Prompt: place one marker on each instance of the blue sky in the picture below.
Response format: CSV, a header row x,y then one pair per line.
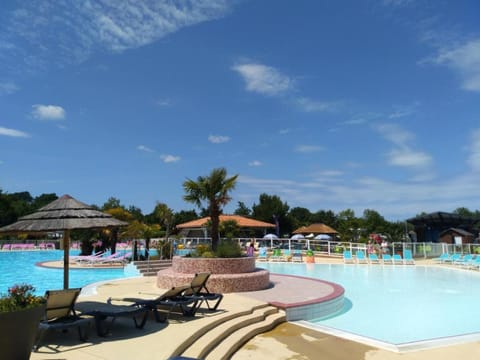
x,y
371,104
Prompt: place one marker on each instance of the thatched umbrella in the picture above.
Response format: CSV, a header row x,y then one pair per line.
x,y
63,214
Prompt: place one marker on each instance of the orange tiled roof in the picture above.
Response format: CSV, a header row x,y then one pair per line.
x,y
315,229
241,221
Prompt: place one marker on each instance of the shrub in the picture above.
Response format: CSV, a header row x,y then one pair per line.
x,y
20,297
229,249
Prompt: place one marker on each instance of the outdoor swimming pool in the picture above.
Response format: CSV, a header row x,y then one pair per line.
x,y
18,267
399,305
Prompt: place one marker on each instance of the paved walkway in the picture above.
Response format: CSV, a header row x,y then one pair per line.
x,y
288,341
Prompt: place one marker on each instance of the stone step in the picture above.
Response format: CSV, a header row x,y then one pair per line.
x,y
237,339
151,267
222,318
209,340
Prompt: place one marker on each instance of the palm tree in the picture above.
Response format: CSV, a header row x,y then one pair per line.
x,y
214,190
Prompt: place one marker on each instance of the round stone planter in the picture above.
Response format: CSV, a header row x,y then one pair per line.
x,y
227,274
190,265
17,332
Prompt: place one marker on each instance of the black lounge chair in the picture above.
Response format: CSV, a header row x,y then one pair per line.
x,y
102,312
60,315
198,289
170,300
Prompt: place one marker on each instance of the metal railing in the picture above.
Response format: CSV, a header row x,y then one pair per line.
x,y
336,248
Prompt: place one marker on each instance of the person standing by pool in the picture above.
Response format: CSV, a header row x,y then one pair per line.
x,y
250,249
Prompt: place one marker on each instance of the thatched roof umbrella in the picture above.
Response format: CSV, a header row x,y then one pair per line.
x,y
63,214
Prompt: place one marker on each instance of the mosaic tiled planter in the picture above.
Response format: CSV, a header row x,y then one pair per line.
x,y
227,274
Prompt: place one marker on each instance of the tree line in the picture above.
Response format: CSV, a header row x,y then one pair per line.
x,y
215,189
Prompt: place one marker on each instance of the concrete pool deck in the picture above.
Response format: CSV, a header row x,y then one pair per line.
x,y
287,341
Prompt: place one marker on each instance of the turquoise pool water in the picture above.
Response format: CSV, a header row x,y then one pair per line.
x,y
19,267
398,304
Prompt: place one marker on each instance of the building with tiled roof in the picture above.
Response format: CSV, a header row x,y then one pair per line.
x,y
199,227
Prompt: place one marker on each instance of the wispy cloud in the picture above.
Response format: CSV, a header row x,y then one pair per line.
x,y
309,105
165,102
474,158
7,88
265,80
167,158
308,148
218,139
13,133
255,163
145,148
284,131
402,154
48,112
90,26
465,61
397,2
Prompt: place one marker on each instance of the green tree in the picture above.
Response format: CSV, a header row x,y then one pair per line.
x,y
229,229
112,203
214,190
242,209
163,215
270,209
299,216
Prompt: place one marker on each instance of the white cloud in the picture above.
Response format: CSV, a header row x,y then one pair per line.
x,y
91,26
164,102
474,158
402,155
13,133
284,131
264,79
218,139
255,163
395,134
308,148
465,60
409,158
170,158
144,148
7,88
309,105
48,112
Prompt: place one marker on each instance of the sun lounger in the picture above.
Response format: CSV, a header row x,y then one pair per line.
x,y
102,312
277,255
397,259
198,289
373,258
474,263
441,258
60,314
408,258
360,256
262,254
387,259
169,301
452,259
347,257
297,256
463,260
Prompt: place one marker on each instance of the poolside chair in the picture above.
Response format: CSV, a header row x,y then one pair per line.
x,y
360,256
169,301
463,260
452,259
297,256
286,255
373,258
441,258
277,255
387,259
474,263
102,312
408,258
60,315
262,254
347,257
397,259
198,289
